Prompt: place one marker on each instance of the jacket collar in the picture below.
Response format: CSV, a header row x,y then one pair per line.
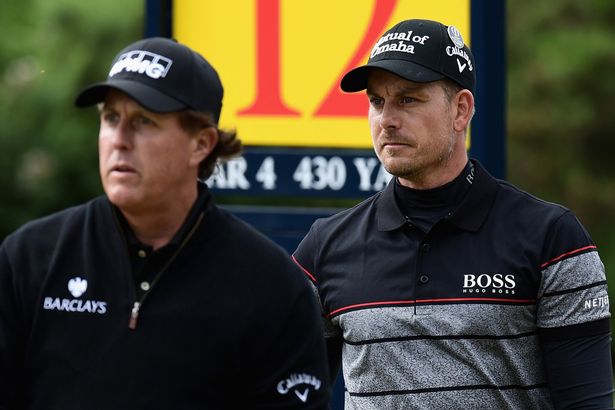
x,y
201,204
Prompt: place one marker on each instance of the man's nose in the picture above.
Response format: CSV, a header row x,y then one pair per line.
x,y
122,135
390,117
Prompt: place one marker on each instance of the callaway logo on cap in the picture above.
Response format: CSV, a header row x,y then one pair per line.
x,y
421,51
163,76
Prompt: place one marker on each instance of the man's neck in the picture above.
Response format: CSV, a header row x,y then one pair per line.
x,y
430,179
157,227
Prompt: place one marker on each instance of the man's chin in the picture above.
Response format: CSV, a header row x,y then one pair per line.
x,y
123,198
398,168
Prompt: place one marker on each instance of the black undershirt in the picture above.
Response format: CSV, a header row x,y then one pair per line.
x,y
424,207
147,262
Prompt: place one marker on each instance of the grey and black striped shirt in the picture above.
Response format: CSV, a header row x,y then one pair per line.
x,y
453,317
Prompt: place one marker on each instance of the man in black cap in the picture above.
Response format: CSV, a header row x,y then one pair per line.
x,y
451,289
152,297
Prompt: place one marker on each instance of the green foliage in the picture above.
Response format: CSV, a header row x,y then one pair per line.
x,y
49,51
561,116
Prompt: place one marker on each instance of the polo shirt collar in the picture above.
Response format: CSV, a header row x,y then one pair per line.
x,y
469,216
389,216
476,205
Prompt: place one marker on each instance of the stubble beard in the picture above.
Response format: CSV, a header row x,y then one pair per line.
x,y
418,170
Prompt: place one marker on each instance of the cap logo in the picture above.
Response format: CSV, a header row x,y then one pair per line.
x,y
455,36
399,42
454,51
143,62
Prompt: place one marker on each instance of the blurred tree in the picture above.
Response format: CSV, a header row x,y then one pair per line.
x,y
50,50
561,60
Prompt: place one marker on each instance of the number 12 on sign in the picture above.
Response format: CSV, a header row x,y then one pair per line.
x,y
268,100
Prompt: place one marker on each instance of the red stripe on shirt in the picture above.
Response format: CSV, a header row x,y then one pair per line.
x,y
441,300
304,270
564,255
412,302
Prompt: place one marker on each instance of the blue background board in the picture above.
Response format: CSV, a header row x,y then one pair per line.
x,y
488,32
301,173
287,225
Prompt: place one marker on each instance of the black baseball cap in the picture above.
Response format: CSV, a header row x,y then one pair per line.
x,y
421,51
163,76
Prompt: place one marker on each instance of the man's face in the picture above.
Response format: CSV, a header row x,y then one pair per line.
x,y
147,161
412,127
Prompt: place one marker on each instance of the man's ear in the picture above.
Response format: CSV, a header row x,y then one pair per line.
x,y
205,142
464,105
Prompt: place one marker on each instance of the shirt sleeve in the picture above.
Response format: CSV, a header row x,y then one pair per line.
x,y
11,345
579,371
305,257
290,361
573,288
573,318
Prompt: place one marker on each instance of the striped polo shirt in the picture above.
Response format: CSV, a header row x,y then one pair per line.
x,y
452,318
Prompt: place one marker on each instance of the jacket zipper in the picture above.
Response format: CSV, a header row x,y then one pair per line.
x,y
134,315
136,307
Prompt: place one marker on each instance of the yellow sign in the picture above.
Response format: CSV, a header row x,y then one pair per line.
x,y
281,61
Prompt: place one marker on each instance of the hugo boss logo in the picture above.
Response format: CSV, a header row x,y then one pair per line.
x,y
496,283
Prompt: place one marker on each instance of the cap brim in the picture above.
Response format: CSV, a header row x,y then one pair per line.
x,y
147,96
356,79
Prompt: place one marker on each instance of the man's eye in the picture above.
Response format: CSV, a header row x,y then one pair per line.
x,y
144,120
375,101
110,117
408,100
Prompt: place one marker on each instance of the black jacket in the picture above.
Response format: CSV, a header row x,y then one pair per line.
x,y
231,323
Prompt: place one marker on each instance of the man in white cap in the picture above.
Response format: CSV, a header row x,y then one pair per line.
x,y
451,289
150,296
